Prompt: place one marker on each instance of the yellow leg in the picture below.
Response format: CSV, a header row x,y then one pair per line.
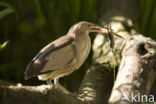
x,y
57,84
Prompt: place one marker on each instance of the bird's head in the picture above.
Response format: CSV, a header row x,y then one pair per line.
x,y
85,27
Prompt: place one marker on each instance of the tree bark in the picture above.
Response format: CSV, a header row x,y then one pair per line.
x,y
43,94
135,59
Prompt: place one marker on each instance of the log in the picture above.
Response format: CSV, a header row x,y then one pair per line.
x,y
135,65
43,94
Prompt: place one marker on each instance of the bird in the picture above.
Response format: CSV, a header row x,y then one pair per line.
x,y
64,55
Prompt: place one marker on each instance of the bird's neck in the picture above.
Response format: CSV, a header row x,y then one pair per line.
x,y
82,46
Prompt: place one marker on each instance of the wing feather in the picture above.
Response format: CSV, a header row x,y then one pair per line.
x,y
51,57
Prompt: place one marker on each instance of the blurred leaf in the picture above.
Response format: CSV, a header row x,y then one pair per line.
x,y
153,24
6,82
146,12
40,13
2,46
5,12
10,9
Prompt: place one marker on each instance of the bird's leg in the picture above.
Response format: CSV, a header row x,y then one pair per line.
x,y
49,82
56,82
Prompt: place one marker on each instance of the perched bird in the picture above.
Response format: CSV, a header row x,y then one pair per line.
x,y
64,55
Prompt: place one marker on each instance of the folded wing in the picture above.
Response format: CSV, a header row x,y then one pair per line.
x,y
55,55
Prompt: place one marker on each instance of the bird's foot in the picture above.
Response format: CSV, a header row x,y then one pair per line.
x,y
81,97
78,96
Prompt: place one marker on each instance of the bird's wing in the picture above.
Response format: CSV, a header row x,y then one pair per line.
x,y
53,56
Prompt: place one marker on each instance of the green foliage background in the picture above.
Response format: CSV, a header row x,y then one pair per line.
x,y
147,20
29,25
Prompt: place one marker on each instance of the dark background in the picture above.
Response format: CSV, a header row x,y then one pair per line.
x,y
28,25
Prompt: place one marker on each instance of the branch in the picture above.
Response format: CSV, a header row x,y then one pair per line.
x,y
137,70
135,57
135,61
35,95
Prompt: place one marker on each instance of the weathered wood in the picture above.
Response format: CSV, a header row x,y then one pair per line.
x,y
137,70
135,62
121,16
43,94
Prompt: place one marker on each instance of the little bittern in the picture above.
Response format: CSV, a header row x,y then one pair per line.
x,y
64,55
